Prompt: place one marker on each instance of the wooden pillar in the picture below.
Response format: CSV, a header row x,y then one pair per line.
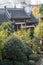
x,y
25,22
17,27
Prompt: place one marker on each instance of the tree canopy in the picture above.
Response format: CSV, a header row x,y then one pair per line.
x,y
41,8
35,12
38,31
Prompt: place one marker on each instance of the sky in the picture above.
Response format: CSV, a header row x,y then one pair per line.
x,y
11,3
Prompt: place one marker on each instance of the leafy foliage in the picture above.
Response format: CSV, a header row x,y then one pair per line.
x,y
41,12
38,31
41,8
34,57
18,63
3,36
6,29
41,48
34,11
23,35
31,62
14,49
6,62
7,26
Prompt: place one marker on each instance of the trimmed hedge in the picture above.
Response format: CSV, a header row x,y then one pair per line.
x,y
41,48
14,49
28,50
34,57
31,62
6,62
18,63
0,62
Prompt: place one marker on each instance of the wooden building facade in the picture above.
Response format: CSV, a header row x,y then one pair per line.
x,y
18,17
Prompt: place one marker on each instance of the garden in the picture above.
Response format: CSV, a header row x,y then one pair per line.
x,y
17,47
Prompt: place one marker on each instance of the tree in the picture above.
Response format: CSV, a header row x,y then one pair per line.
x,y
35,12
3,36
38,31
6,29
41,11
23,34
15,50
7,26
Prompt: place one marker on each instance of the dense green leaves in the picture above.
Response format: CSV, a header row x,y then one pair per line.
x,y
7,26
38,31
6,62
34,57
23,35
41,8
18,63
41,12
6,29
31,62
13,46
16,50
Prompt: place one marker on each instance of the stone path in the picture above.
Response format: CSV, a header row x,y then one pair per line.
x,y
42,61
39,62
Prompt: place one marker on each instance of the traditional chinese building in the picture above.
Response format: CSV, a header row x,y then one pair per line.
x,y
18,17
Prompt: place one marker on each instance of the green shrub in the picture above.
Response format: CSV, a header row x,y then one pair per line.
x,y
7,26
34,57
28,51
6,29
31,62
18,63
38,31
0,62
41,48
23,34
6,62
14,49
0,55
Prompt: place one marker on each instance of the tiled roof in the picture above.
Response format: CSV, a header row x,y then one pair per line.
x,y
15,13
18,13
3,17
34,19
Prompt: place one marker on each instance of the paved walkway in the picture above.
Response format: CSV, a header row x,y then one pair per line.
x,y
38,63
42,61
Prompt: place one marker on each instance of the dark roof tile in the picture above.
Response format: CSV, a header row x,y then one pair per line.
x,y
18,13
3,18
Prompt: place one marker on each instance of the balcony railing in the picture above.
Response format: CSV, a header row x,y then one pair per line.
x,y
19,22
29,26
